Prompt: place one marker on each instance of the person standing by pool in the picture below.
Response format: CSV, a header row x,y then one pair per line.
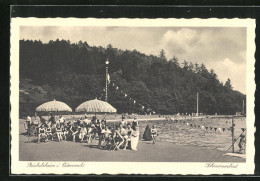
x,y
134,138
99,129
242,142
129,129
62,120
94,120
52,120
27,124
147,133
153,133
35,121
43,122
58,132
123,121
135,122
29,119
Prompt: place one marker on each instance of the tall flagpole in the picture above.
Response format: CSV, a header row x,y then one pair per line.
x,y
243,108
197,104
107,62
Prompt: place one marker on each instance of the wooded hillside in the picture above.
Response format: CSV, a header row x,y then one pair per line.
x,y
75,72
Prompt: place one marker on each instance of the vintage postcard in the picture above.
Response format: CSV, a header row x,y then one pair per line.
x,y
132,96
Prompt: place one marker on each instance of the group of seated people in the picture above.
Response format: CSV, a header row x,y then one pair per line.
x,y
112,137
124,136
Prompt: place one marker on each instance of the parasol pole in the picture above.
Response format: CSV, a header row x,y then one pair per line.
x,y
54,110
232,135
107,62
243,111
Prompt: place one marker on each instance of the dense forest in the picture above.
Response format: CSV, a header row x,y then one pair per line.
x,y
75,72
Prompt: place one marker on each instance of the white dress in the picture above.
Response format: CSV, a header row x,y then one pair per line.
x,y
134,140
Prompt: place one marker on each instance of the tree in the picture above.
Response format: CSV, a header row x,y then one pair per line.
x,y
213,74
203,67
228,84
109,47
191,66
175,61
185,65
162,55
197,68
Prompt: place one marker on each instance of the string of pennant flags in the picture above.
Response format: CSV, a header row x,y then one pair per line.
x,y
194,125
117,88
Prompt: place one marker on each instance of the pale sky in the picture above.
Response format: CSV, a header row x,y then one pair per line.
x,y
222,49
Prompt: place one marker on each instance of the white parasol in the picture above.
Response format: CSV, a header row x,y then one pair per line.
x,y
95,106
54,106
